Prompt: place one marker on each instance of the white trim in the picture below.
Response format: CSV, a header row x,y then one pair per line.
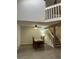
x,y
53,6
54,19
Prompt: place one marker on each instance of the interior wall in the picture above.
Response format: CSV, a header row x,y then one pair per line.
x,y
51,29
30,10
18,36
58,32
27,33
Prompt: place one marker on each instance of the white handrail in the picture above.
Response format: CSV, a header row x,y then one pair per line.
x,y
53,11
50,38
53,6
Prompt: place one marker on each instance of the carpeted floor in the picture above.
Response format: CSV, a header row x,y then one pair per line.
x,y
27,52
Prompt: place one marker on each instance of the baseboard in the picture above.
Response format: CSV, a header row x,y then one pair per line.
x,y
25,44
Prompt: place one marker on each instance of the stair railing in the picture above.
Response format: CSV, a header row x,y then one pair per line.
x,y
53,11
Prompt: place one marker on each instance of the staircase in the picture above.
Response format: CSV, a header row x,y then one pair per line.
x,y
56,42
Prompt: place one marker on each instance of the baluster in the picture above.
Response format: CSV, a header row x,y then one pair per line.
x,y
47,14
51,13
58,12
54,12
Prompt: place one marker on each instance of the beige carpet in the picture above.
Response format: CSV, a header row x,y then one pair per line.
x,y
27,52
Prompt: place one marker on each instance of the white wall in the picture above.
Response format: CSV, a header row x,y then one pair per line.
x,y
30,10
27,33
18,36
